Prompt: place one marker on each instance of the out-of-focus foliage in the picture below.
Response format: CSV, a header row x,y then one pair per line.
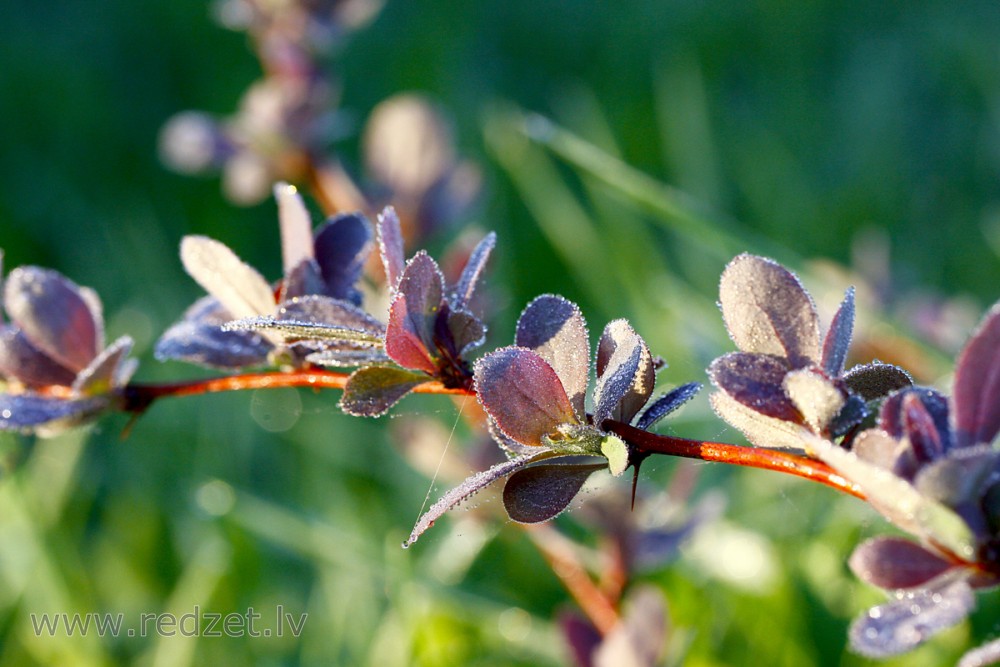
x,y
862,134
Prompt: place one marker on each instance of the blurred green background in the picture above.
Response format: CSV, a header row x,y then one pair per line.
x,y
858,142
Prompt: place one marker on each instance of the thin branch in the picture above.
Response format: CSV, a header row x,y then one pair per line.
x,y
752,457
558,551
138,397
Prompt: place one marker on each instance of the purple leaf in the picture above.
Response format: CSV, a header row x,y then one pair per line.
x,y
540,492
296,227
473,270
301,280
755,380
982,656
307,334
555,329
466,490
46,415
54,316
511,446
21,360
625,374
581,637
106,371
666,404
198,338
899,414
893,562
977,384
878,448
409,337
767,311
371,391
904,623
876,380
390,244
343,244
465,330
959,481
523,394
854,412
838,338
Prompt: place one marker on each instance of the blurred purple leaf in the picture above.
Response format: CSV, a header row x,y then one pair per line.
x,y
29,412
473,270
110,369
555,329
581,637
854,411
926,441
755,380
21,360
977,384
906,622
542,491
838,338
296,227
198,338
54,316
466,490
876,380
625,373
390,244
410,332
767,311
666,404
893,562
960,479
523,394
371,391
342,245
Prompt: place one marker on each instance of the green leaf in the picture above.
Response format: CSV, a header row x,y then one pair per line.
x,y
616,451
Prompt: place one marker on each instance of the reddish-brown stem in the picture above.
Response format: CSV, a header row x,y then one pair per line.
x,y
753,457
558,551
138,397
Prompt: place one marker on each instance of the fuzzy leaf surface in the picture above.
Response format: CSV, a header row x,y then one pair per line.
x,y
30,412
554,328
410,332
371,391
876,380
523,394
295,224
540,492
767,310
625,374
199,338
467,282
838,338
756,381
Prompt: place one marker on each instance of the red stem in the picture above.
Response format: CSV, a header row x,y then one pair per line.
x,y
752,457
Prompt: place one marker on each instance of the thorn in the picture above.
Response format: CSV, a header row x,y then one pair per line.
x,y
636,464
